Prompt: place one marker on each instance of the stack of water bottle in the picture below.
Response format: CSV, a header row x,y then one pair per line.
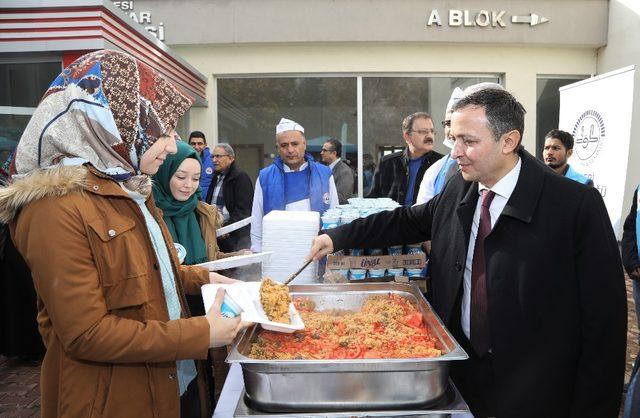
x,y
360,208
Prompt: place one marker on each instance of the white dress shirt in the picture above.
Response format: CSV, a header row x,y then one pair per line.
x,y
257,210
503,189
333,164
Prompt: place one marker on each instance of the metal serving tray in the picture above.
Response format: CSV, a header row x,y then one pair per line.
x,y
339,385
450,404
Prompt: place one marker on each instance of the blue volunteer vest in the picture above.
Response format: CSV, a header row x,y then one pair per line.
x,y
439,182
574,175
280,189
208,171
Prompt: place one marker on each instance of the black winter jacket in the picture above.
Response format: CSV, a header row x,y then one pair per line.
x,y
237,190
392,175
629,242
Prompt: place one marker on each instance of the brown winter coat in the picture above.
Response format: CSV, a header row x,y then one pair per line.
x,y
111,349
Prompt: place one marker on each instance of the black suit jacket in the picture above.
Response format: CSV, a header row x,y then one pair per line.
x,y
237,190
557,299
391,178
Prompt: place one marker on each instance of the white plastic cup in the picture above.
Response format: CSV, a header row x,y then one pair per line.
x,y
414,272
229,308
330,221
395,250
376,273
358,274
414,248
395,272
182,252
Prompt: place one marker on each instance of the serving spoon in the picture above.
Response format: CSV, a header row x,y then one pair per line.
x,y
294,275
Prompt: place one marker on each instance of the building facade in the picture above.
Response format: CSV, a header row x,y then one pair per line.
x,y
352,69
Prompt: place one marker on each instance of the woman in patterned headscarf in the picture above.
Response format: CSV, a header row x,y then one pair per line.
x,y
112,312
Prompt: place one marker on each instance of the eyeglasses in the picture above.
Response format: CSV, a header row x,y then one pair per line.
x,y
218,156
446,123
424,131
326,150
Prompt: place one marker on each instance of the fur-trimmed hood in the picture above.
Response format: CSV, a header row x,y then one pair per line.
x,y
53,182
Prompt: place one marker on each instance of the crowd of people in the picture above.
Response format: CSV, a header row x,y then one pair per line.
x,y
515,276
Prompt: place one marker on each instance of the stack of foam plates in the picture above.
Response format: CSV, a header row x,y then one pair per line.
x,y
289,235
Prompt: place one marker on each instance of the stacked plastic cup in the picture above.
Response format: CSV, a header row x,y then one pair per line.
x,y
395,250
376,273
346,213
414,249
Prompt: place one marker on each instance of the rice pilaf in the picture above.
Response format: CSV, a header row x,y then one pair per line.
x,y
387,326
275,300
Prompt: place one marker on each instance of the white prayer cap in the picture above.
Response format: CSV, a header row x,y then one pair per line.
x,y
288,125
482,86
456,95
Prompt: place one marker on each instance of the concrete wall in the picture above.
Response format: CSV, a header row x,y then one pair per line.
x,y
571,22
518,66
623,49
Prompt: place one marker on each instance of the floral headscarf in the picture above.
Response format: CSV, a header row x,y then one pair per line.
x,y
107,108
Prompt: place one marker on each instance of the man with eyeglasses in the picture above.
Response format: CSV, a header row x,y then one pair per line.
x,y
526,272
442,170
342,173
199,143
231,191
398,174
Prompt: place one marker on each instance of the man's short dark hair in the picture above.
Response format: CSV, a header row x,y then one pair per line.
x,y
336,145
563,136
197,134
407,122
504,113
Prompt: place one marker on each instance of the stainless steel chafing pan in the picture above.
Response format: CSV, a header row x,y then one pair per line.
x,y
305,385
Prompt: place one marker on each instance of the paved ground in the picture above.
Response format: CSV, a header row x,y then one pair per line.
x,y
20,394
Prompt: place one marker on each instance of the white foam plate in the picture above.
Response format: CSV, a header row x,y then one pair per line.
x,y
236,261
232,227
247,296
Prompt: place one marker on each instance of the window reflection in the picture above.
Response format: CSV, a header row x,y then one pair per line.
x,y
250,108
386,102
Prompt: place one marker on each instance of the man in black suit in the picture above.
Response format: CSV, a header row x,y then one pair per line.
x,y
526,272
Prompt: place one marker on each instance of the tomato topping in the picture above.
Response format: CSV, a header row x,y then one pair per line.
x,y
413,320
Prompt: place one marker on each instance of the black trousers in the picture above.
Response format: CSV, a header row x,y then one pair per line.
x,y
190,401
474,378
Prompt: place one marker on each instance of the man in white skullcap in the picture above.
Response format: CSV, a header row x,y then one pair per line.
x,y
442,170
293,182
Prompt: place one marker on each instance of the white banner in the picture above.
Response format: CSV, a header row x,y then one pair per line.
x,y
597,111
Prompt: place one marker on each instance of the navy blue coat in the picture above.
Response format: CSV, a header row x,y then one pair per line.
x,y
557,299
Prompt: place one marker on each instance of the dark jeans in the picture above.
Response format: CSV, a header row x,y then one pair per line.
x,y
632,400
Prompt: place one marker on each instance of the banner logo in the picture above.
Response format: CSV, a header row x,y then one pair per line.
x,y
589,136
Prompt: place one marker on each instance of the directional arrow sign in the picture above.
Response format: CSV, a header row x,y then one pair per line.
x,y
532,19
